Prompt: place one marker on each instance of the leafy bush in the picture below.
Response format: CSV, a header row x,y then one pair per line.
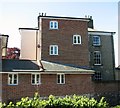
x,y
118,106
53,102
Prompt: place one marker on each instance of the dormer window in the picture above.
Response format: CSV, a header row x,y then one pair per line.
x,y
53,25
76,39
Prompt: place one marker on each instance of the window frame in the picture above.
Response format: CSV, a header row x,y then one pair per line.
x,y
54,25
78,39
13,79
94,41
60,80
35,83
97,59
98,76
53,52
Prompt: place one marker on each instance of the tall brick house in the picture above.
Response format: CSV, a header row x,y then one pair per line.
x,y
54,60
57,58
57,39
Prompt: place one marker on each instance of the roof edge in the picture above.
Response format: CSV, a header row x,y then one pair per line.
x,y
60,17
28,29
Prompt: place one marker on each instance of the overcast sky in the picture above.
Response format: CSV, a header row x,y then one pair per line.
x,y
18,14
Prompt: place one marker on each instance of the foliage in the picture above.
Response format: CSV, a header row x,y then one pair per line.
x,y
118,106
12,53
53,102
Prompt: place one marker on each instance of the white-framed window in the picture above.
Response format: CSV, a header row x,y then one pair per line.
x,y
60,78
96,40
53,50
12,79
53,25
76,39
35,79
97,58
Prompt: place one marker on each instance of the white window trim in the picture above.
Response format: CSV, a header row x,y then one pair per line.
x,y
95,43
100,58
35,79
53,25
77,39
61,78
12,78
53,49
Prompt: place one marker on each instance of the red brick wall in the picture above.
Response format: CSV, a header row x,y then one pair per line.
x,y
63,37
75,84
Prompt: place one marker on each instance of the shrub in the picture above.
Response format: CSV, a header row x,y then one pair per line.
x,y
118,106
53,102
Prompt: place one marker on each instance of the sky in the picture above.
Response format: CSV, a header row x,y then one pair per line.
x,y
19,14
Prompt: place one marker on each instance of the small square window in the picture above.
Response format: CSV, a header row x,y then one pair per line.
x,y
60,78
97,76
53,25
96,40
13,79
35,79
76,39
53,50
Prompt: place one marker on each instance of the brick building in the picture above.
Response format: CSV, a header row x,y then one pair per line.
x,y
55,59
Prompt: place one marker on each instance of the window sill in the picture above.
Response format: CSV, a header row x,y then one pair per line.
x,y
53,54
97,45
36,84
61,83
12,84
77,44
53,29
97,64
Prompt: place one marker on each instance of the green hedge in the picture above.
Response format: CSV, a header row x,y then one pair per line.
x,y
118,106
53,102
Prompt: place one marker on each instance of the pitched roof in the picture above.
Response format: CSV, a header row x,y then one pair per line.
x,y
57,67
9,65
45,67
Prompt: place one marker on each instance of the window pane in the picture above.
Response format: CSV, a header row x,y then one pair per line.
x,y
75,39
55,24
58,78
38,78
51,24
78,39
55,50
15,78
51,50
62,78
10,79
33,79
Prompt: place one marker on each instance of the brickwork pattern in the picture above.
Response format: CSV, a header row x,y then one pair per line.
x,y
69,53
